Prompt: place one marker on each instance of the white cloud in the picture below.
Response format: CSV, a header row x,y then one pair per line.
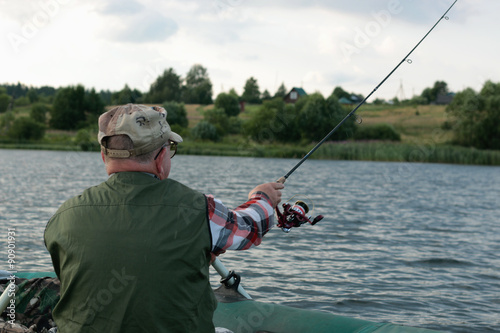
x,y
132,22
118,7
144,27
107,44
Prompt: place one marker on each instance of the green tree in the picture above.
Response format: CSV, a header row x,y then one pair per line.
x,y
337,113
286,123
198,87
176,113
312,117
33,95
74,108
6,121
318,116
22,101
204,131
106,96
25,128
251,93
39,112
219,119
94,107
167,87
266,95
384,132
431,94
125,96
274,121
85,138
68,109
235,125
476,117
339,93
94,103
419,100
233,92
16,90
281,92
4,102
229,103
46,91
257,126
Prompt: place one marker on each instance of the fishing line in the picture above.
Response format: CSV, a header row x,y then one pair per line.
x,y
406,58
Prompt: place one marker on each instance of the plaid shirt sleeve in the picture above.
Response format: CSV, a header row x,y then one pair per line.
x,y
241,228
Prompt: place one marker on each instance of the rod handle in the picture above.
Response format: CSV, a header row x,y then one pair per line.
x,y
282,180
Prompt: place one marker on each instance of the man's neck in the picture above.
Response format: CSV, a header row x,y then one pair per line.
x,y
114,166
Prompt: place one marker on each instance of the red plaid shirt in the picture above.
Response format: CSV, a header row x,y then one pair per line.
x,y
242,227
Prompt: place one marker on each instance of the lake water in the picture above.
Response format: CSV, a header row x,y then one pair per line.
x,y
412,244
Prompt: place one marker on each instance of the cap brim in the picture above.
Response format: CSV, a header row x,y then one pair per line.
x,y
175,137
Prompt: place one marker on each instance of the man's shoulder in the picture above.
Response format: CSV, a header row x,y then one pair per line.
x,y
184,193
176,185
79,199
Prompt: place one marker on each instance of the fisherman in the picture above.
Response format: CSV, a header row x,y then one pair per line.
x,y
133,253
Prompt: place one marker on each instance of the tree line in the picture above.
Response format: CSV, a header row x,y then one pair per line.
x,y
474,117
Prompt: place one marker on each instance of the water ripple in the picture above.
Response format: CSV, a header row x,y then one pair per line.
x,y
413,244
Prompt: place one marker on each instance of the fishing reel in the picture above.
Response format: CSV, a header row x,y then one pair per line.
x,y
294,216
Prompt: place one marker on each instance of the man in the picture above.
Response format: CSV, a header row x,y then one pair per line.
x,y
133,253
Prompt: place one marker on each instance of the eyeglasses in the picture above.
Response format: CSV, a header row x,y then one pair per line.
x,y
173,149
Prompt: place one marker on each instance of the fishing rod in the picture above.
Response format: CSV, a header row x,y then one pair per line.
x,y
295,215
406,58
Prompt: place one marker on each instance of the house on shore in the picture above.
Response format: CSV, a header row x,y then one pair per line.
x,y
294,95
444,99
351,100
346,101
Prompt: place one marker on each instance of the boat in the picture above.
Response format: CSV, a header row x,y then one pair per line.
x,y
236,311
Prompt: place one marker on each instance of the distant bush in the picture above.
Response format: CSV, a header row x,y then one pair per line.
x,y
25,128
219,119
447,125
22,101
229,103
6,120
86,139
235,125
204,131
176,113
39,112
384,132
75,108
182,131
476,118
4,102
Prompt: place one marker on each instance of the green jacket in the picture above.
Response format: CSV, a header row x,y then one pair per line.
x,y
133,255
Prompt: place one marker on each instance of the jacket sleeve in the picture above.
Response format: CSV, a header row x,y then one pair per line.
x,y
242,227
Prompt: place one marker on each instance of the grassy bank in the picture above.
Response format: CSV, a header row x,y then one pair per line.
x,y
365,151
422,140
401,152
359,151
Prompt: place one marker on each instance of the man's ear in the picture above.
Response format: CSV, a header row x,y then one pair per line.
x,y
103,158
159,161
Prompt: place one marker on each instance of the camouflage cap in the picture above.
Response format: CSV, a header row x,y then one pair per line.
x,y
146,126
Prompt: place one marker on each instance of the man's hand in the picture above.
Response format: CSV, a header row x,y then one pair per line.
x,y
213,256
272,190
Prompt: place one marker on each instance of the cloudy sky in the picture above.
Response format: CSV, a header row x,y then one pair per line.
x,y
314,44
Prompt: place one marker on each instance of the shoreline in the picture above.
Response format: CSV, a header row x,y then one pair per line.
x,y
377,151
